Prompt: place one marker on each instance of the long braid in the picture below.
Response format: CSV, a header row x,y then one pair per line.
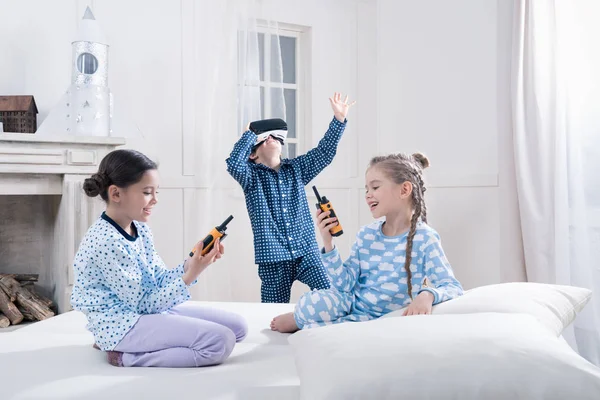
x,y
409,245
423,210
421,200
403,168
418,195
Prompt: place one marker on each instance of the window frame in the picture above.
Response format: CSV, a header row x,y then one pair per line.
x,y
298,33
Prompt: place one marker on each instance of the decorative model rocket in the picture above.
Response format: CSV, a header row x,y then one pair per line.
x,y
86,107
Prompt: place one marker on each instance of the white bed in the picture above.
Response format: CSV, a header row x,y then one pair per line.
x,y
54,359
494,342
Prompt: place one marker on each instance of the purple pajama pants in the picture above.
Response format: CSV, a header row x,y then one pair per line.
x,y
185,336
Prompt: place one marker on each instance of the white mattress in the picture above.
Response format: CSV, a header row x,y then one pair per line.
x,y
54,359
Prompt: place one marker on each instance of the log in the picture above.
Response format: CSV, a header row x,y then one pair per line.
x,y
9,309
23,277
10,286
33,305
26,314
44,300
27,300
4,321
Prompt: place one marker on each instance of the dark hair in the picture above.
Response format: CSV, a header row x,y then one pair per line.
x,y
121,168
402,168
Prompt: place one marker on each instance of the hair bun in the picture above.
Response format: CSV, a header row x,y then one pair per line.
x,y
421,159
95,185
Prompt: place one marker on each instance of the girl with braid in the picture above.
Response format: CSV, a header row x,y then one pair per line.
x,y
393,264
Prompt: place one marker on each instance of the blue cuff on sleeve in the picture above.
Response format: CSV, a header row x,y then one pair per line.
x,y
436,297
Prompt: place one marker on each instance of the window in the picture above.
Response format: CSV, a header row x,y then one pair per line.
x,y
277,79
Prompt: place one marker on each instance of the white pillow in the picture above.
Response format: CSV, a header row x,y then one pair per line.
x,y
555,306
467,357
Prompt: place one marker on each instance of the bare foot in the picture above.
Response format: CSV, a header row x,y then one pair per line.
x,y
115,358
284,323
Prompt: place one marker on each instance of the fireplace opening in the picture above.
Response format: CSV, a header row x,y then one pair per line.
x,y
27,246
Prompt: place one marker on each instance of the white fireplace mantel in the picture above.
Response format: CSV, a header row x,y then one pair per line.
x,y
38,165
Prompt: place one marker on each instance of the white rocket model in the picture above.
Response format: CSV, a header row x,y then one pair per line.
x,y
85,109
90,107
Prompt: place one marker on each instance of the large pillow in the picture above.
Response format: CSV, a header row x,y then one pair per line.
x,y
555,306
464,357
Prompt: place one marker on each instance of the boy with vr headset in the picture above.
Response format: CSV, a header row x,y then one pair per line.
x,y
285,246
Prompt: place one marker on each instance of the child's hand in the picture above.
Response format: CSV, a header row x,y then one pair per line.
x,y
340,108
198,263
421,305
325,224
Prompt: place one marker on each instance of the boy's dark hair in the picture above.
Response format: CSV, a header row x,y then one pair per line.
x,y
121,168
402,168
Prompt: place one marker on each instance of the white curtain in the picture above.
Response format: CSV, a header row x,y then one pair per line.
x,y
556,126
237,58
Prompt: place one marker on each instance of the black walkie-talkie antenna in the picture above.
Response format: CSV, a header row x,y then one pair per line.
x,y
223,226
317,194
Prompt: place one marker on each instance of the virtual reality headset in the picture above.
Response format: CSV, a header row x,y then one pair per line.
x,y
264,128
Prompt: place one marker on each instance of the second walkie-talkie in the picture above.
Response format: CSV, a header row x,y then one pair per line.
x,y
325,205
218,232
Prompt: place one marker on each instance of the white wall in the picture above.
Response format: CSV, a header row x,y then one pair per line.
x,y
152,77
444,89
430,76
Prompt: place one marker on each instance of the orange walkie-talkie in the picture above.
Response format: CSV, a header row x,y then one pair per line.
x,y
216,233
325,205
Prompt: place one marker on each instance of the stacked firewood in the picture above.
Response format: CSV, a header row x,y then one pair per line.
x,y
20,302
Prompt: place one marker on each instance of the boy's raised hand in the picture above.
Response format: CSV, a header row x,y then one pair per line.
x,y
340,108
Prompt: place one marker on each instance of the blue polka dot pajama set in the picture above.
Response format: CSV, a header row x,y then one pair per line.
x,y
373,282
137,306
285,246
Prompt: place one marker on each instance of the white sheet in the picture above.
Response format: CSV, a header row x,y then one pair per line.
x,y
54,359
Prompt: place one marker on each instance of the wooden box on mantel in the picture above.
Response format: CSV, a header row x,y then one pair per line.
x,y
18,114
